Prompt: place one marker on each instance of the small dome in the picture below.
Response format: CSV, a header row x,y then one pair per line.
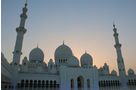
x,y
105,64
63,52
114,73
50,62
73,61
24,61
86,59
131,72
36,55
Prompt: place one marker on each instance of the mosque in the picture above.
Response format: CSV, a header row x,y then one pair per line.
x,y
65,72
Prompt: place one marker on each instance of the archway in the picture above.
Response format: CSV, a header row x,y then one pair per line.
x,y
18,85
72,84
31,83
39,83
80,83
43,83
135,81
51,83
22,83
47,83
88,83
55,83
35,83
26,83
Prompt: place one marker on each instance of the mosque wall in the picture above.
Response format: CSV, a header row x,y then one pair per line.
x,y
88,77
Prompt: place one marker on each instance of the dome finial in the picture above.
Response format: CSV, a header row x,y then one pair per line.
x,y
26,3
63,42
37,45
114,24
85,51
114,28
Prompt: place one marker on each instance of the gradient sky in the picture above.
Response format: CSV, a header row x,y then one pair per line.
x,y
82,24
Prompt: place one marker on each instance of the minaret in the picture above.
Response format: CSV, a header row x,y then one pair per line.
x,y
120,61
20,35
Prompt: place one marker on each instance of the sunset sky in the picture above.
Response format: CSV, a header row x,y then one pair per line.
x,y
82,24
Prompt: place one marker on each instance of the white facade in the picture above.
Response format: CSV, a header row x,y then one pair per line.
x,y
63,73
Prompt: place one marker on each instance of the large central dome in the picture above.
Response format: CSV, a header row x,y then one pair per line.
x,y
63,52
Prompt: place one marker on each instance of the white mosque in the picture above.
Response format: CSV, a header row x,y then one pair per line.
x,y
62,73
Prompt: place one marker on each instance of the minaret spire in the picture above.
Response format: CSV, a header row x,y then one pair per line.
x,y
120,61
20,34
23,16
26,1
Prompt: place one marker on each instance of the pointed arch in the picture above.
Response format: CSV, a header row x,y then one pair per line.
x,y
72,84
31,83
80,82
88,83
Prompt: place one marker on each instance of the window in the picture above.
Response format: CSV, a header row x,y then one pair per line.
x,y
72,83
88,83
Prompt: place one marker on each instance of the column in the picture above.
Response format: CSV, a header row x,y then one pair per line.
x,y
75,84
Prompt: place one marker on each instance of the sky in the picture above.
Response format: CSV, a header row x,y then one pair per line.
x,y
82,24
